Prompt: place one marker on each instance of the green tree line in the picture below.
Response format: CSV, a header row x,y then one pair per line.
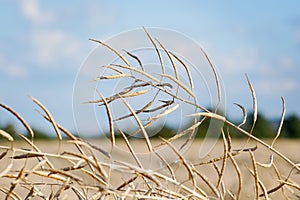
x,y
11,129
264,128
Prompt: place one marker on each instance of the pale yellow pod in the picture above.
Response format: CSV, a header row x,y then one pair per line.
x,y
139,71
53,176
6,135
164,113
116,76
210,115
133,94
179,83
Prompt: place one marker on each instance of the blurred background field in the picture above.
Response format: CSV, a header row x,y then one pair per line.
x,y
268,175
265,128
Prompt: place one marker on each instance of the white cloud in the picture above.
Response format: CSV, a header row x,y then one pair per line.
x,y
240,61
53,46
49,46
11,69
277,87
32,11
276,67
286,62
101,14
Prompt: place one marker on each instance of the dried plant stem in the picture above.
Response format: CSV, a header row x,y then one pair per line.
x,y
110,120
171,60
264,144
131,149
179,84
186,69
136,58
216,116
112,49
140,125
157,51
239,175
254,173
281,121
224,159
19,118
215,74
49,116
138,71
254,100
244,114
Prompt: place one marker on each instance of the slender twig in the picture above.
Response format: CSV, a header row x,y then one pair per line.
x,y
157,51
244,114
170,58
28,128
255,174
254,101
136,58
112,49
49,116
281,122
186,69
140,125
110,121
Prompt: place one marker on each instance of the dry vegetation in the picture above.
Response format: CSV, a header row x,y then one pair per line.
x,y
77,169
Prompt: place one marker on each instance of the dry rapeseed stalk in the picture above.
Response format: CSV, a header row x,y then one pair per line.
x,y
83,170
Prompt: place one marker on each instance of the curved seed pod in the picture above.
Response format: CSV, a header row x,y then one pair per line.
x,y
28,128
281,121
244,114
50,117
136,58
110,120
140,125
112,49
254,100
164,113
116,76
138,71
171,59
157,51
6,135
179,83
186,69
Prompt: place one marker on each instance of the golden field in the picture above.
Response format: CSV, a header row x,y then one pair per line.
x,y
118,173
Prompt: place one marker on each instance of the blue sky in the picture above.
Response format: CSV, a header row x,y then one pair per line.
x,y
43,44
